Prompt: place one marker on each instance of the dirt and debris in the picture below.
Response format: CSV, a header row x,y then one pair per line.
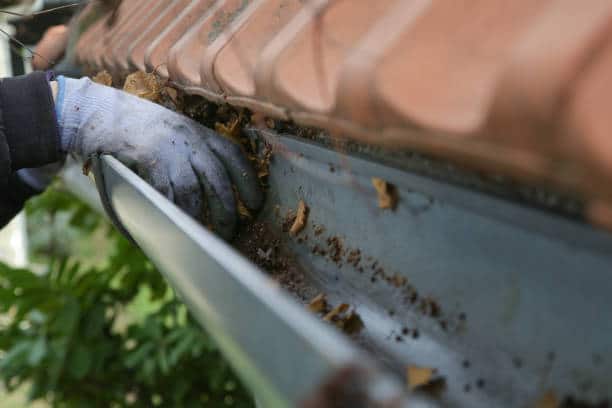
x,y
354,257
425,379
301,217
429,307
343,315
103,78
336,311
417,376
231,129
387,193
144,85
318,304
259,244
318,230
335,249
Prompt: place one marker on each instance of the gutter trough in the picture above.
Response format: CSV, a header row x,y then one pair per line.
x,y
503,301
281,351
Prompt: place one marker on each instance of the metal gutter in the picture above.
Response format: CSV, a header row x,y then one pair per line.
x,y
280,350
517,290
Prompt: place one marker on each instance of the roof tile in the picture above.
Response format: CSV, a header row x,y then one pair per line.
x,y
185,56
517,87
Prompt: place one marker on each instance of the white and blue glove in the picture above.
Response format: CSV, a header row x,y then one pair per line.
x,y
190,164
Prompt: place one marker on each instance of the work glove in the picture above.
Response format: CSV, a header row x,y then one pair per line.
x,y
190,164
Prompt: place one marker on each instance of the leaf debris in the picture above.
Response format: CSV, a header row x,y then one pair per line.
x,y
419,376
144,85
318,304
387,194
103,78
300,219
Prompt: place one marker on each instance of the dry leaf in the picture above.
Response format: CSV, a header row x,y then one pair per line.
x,y
243,211
318,304
172,94
352,323
103,78
387,197
300,219
418,376
231,130
144,85
336,311
548,400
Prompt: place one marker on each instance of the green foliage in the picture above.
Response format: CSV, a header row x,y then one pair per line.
x,y
104,333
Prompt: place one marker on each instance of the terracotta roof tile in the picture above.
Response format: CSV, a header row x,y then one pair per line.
x,y
516,87
441,72
185,57
234,67
119,51
104,38
138,48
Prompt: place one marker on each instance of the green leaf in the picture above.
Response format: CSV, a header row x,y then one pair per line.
x,y
14,360
79,362
68,317
38,351
138,355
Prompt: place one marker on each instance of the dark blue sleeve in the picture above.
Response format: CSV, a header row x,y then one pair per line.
x,y
28,136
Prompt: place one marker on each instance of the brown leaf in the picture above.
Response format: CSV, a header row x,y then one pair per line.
x,y
144,85
336,311
548,400
352,323
419,376
243,211
318,304
300,219
387,196
103,78
172,94
231,129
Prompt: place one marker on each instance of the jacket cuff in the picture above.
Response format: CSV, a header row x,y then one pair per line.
x,y
29,120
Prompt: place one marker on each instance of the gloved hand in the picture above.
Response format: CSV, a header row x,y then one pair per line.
x,y
190,164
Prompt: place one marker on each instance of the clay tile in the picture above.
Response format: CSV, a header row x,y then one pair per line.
x,y
89,37
83,47
81,44
122,28
355,101
547,57
441,72
234,67
228,35
307,69
184,58
587,120
118,53
136,51
125,12
156,55
94,44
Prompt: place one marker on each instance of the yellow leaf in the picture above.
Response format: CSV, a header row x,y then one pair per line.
x,y
418,376
144,85
103,78
387,197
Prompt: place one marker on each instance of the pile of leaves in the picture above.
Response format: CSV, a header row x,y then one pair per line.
x,y
102,329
